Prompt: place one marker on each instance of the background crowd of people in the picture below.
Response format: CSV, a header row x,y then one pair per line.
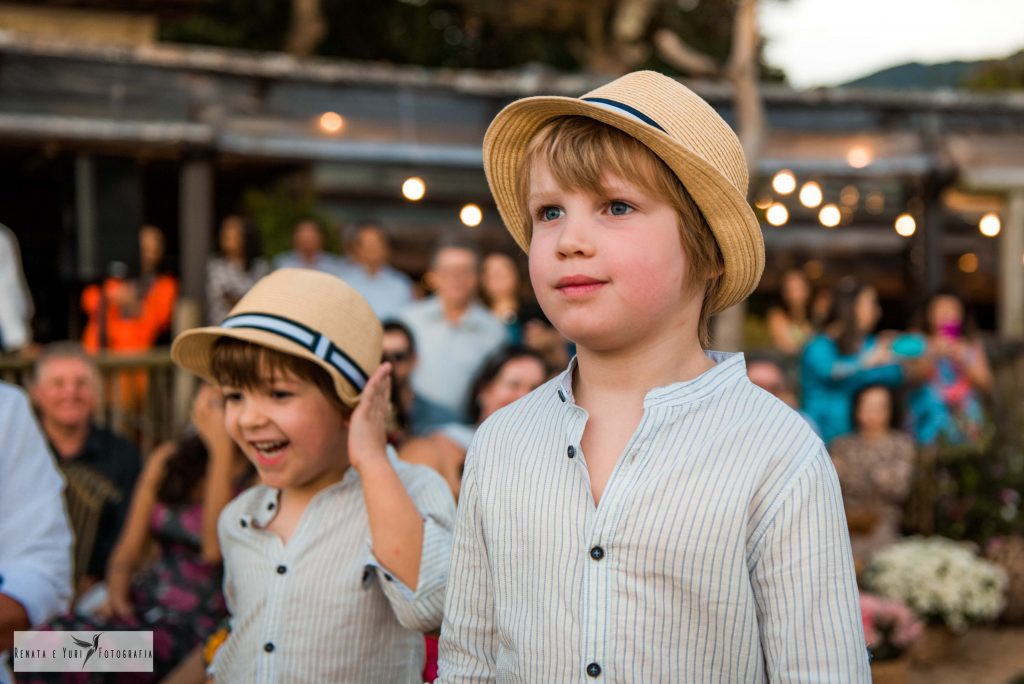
x,y
145,545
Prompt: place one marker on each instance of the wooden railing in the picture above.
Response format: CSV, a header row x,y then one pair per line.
x,y
143,397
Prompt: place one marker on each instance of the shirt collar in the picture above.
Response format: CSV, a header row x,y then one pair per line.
x,y
729,366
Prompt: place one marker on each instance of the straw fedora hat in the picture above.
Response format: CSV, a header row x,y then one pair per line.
x,y
305,313
679,127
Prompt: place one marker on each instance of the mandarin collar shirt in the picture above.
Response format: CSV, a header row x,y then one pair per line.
x,y
321,608
717,553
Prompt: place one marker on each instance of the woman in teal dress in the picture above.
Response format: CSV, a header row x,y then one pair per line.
x,y
845,357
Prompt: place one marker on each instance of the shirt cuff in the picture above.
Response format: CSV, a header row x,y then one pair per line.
x,y
36,594
386,577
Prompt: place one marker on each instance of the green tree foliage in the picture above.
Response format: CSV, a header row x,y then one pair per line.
x,y
482,34
1004,74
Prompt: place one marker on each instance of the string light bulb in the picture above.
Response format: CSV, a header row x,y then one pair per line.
x,y
784,182
414,188
905,225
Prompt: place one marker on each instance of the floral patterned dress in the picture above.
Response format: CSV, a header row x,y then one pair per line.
x,y
875,477
178,597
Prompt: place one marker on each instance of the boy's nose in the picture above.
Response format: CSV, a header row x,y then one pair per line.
x,y
251,415
574,239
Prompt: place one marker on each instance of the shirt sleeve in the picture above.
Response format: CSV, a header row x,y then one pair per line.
x,y
35,539
804,585
421,610
14,329
822,359
469,639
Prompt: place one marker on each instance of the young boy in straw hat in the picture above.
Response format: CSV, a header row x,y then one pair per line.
x,y
306,398
649,515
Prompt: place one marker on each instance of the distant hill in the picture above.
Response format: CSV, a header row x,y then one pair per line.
x,y
980,75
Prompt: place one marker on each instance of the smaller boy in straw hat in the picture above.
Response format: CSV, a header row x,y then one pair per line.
x,y
337,562
649,515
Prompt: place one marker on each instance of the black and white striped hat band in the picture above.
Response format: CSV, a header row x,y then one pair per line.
x,y
319,344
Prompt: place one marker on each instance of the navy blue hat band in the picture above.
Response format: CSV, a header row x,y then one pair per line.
x,y
625,109
319,344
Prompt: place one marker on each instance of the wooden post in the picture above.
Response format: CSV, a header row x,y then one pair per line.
x,y
196,211
1011,268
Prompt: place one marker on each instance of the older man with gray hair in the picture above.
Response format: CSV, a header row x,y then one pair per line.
x,y
100,466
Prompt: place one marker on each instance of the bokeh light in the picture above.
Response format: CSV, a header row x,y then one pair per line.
x,y
414,188
905,225
784,182
777,214
471,215
829,216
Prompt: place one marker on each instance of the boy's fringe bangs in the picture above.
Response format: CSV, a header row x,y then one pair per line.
x,y
237,363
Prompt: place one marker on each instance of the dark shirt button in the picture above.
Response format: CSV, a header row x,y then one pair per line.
x,y
571,451
281,569
387,577
594,670
270,506
269,648
561,396
597,553
243,523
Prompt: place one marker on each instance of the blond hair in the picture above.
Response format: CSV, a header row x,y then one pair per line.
x,y
580,151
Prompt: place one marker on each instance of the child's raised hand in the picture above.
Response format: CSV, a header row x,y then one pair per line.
x,y
367,429
208,419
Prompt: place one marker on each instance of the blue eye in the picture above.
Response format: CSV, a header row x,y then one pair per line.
x,y
550,213
619,208
280,394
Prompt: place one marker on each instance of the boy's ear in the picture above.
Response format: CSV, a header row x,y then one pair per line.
x,y
430,280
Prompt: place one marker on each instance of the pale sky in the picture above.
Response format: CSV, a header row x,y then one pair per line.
x,y
827,42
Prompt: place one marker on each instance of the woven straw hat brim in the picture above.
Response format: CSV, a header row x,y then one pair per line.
x,y
725,207
193,350
303,313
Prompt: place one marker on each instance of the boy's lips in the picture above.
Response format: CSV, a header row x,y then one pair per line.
x,y
578,285
269,452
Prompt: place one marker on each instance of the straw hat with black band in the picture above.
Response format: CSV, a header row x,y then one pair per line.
x,y
305,313
683,130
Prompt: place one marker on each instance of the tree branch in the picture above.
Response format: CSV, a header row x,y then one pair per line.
x,y
680,55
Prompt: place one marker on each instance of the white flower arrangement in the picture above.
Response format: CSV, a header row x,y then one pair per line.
x,y
940,580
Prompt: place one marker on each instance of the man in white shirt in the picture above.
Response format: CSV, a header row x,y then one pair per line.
x,y
308,250
35,539
454,333
366,268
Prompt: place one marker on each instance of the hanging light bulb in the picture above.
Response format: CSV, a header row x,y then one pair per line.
x,y
829,216
471,215
777,214
414,188
968,262
810,194
990,225
905,225
784,182
331,122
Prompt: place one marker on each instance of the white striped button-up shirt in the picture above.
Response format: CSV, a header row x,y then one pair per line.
x,y
320,608
718,551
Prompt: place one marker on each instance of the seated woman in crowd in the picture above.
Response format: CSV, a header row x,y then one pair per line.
x,y
947,406
508,375
844,357
501,292
176,503
875,465
789,322
232,271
